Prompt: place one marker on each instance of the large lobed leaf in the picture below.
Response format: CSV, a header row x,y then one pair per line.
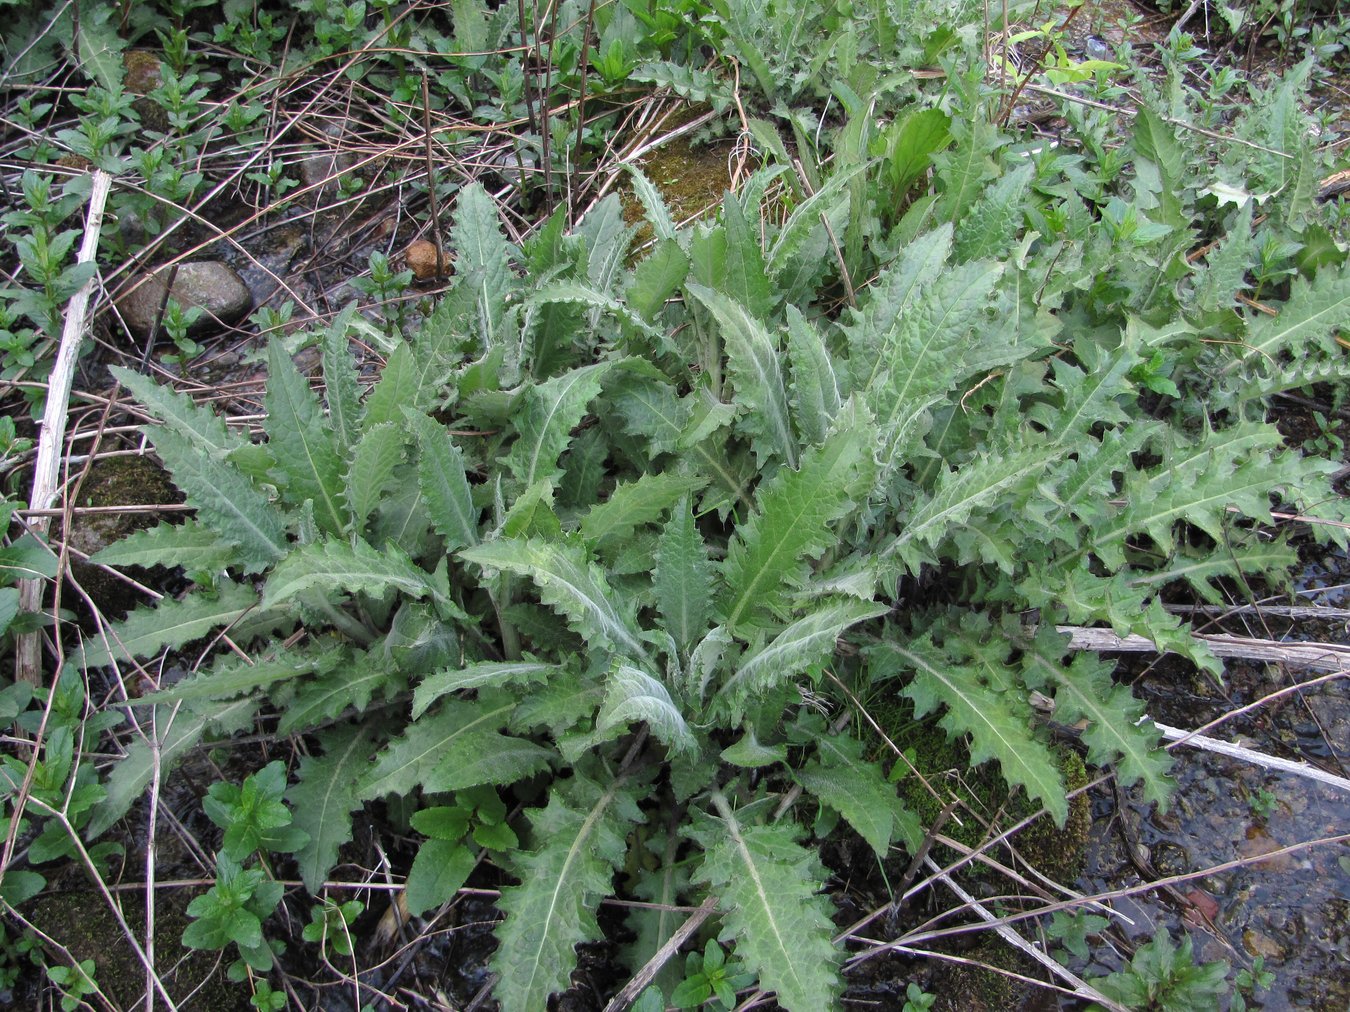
x,y
580,839
325,797
766,884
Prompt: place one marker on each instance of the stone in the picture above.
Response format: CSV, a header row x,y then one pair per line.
x,y
213,286
421,257
325,169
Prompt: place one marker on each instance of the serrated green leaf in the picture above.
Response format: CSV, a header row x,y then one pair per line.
x,y
191,544
444,483
744,280
147,631
175,732
571,584
796,512
482,259
860,792
754,364
350,684
225,500
301,442
633,504
1084,691
977,485
581,836
807,215
374,461
323,800
475,676
1311,316
201,427
341,388
545,416
652,203
815,387
633,695
459,746
996,722
234,677
808,641
347,568
572,293
683,578
766,885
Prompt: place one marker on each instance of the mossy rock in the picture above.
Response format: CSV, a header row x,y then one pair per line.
x,y
115,481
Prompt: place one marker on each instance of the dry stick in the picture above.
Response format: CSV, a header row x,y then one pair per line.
x,y
28,648
431,179
629,992
1332,657
1252,756
1081,987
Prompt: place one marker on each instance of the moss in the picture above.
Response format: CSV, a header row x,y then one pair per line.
x,y
115,481
691,181
982,793
81,921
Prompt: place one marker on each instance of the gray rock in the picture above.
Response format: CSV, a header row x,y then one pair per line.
x,y
326,168
213,286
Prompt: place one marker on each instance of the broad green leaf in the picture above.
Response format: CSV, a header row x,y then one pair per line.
x,y
374,461
301,441
325,797
683,578
766,884
147,631
545,416
657,278
755,366
909,144
581,838
28,559
633,504
225,500
438,871
570,583
191,544
797,510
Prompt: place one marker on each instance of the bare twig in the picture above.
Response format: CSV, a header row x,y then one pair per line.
x,y
1333,657
1252,756
629,992
28,647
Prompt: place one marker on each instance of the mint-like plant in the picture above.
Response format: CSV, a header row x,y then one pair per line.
x,y
603,526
